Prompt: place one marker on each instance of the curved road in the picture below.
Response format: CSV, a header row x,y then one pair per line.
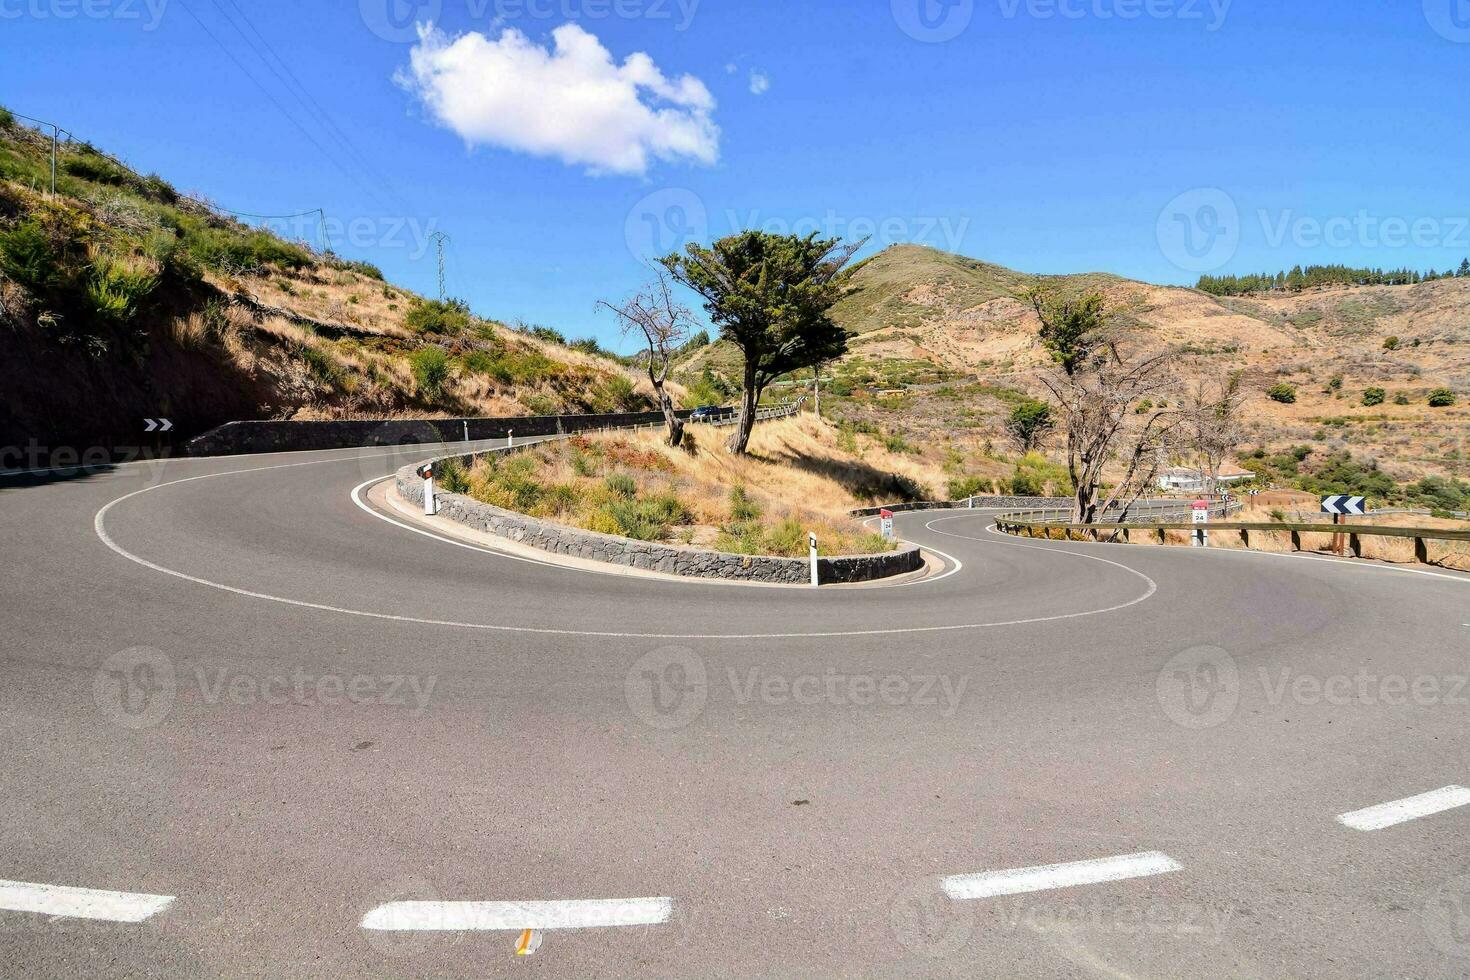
x,y
285,737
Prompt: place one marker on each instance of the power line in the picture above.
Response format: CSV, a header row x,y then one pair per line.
x,y
292,84
274,101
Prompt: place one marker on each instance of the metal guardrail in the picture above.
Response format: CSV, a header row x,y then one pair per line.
x,y
1352,533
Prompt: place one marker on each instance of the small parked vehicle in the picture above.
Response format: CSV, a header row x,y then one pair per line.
x,y
705,413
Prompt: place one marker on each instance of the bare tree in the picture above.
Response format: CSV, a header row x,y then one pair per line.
x,y
1213,425
1099,389
665,325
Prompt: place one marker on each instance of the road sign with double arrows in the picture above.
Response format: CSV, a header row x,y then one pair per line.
x,y
1342,504
158,425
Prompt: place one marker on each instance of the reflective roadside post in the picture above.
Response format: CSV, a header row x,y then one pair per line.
x,y
811,544
431,505
885,524
1201,510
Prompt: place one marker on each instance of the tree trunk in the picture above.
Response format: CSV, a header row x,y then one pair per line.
x,y
671,418
749,398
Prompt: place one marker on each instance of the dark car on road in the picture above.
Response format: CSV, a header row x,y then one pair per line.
x,y
705,413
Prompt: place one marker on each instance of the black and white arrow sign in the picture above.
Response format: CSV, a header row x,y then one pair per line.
x,y
1341,503
159,425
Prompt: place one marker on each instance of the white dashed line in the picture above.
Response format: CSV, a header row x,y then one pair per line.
x,y
80,903
1017,881
1402,811
516,916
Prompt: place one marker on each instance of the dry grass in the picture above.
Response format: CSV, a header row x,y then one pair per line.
x,y
794,481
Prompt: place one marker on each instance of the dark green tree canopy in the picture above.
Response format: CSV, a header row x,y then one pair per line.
x,y
770,295
1071,327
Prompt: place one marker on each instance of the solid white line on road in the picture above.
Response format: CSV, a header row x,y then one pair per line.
x,y
1402,811
80,903
1016,881
573,914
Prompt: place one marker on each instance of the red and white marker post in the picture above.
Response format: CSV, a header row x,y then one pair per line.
x,y
1201,509
431,503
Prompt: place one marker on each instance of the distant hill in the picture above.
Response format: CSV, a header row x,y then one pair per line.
x,y
122,300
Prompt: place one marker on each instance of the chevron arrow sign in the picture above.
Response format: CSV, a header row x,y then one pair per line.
x,y
157,425
1341,503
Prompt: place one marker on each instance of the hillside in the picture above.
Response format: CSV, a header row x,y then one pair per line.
x,y
944,346
123,300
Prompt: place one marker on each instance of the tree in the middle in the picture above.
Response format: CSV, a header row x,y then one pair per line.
x,y
770,296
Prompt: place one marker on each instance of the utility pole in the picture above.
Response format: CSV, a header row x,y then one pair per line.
x,y
439,239
326,235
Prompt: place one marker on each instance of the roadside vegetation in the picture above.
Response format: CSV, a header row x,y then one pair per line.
x,y
792,481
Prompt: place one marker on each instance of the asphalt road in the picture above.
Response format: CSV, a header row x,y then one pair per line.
x,y
230,686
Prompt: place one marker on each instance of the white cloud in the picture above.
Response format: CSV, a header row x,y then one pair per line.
x,y
759,83
571,101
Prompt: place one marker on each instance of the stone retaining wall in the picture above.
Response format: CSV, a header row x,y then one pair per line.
x,y
652,556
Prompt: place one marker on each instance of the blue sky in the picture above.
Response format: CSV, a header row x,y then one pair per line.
x,y
1151,138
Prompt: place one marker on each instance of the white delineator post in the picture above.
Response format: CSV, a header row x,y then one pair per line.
x,y
430,504
510,437
811,544
466,432
1201,521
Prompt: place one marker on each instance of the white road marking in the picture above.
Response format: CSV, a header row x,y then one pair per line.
x,y
518,916
80,903
99,526
1017,881
1402,811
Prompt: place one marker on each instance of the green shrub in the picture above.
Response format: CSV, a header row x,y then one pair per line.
x,y
648,519
967,486
1390,343
26,256
7,118
322,365
613,394
1374,396
894,442
159,189
430,367
451,476
117,288
622,485
1282,392
449,316
1441,398
97,170
742,506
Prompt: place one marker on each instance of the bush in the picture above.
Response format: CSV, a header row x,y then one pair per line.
x,y
98,170
450,475
622,485
1282,392
649,519
26,257
449,316
430,367
118,287
1441,398
1390,343
7,118
1402,398
742,507
894,442
967,486
1374,396
159,189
